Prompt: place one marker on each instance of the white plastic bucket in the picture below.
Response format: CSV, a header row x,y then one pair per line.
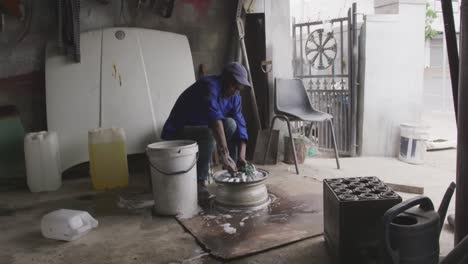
x,y
41,151
174,176
413,146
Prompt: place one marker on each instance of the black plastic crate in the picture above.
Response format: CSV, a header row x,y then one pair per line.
x,y
353,209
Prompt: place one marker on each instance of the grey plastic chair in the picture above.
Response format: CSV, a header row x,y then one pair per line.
x,y
292,104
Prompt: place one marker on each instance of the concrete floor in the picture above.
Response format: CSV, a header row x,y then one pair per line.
x,y
125,236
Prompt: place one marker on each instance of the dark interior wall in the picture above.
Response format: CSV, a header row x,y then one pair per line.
x,y
26,92
22,62
27,55
208,25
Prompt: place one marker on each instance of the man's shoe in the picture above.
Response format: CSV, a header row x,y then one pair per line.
x,y
202,191
201,185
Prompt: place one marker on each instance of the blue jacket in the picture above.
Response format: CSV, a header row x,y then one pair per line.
x,y
201,104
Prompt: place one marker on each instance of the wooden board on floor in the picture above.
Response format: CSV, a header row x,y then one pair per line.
x,y
230,235
406,188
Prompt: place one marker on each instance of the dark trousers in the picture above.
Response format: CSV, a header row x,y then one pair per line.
x,y
206,144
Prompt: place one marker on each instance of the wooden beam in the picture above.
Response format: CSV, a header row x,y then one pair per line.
x,y
452,48
461,208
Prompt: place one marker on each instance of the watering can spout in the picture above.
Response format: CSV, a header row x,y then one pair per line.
x,y
445,203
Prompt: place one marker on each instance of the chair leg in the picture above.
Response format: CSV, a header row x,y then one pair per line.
x,y
334,143
269,139
292,145
311,126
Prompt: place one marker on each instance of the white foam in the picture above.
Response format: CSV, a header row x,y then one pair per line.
x,y
189,213
229,229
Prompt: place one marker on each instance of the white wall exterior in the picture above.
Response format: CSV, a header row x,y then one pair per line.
x,y
278,29
313,10
394,70
278,37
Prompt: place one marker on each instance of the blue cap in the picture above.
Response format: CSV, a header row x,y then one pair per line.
x,y
238,72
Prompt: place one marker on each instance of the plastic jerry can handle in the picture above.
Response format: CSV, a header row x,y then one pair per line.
x,y
88,223
82,229
89,220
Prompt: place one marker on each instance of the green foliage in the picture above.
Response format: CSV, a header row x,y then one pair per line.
x,y
431,15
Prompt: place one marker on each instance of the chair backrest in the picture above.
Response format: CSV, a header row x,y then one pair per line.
x,y
291,94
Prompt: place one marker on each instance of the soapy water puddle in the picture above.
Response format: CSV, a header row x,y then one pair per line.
x,y
233,222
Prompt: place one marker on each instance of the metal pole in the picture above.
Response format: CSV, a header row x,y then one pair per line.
x,y
461,212
444,75
353,85
295,71
350,81
452,49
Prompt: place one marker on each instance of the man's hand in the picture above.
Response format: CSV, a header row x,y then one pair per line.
x,y
218,133
228,162
241,163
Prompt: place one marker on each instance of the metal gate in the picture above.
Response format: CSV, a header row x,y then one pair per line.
x,y
325,58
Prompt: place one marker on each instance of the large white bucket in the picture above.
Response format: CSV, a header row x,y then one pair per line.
x,y
174,176
413,146
41,150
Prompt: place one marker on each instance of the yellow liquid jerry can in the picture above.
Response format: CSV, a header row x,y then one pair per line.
x,y
108,158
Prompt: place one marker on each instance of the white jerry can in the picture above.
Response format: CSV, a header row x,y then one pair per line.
x,y
41,151
67,225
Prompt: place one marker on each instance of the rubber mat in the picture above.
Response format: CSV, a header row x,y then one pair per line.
x,y
237,233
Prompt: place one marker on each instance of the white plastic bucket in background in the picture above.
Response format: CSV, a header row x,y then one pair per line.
x,y
174,176
41,151
67,224
413,146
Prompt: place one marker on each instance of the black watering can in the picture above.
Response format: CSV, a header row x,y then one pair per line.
x,y
411,234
